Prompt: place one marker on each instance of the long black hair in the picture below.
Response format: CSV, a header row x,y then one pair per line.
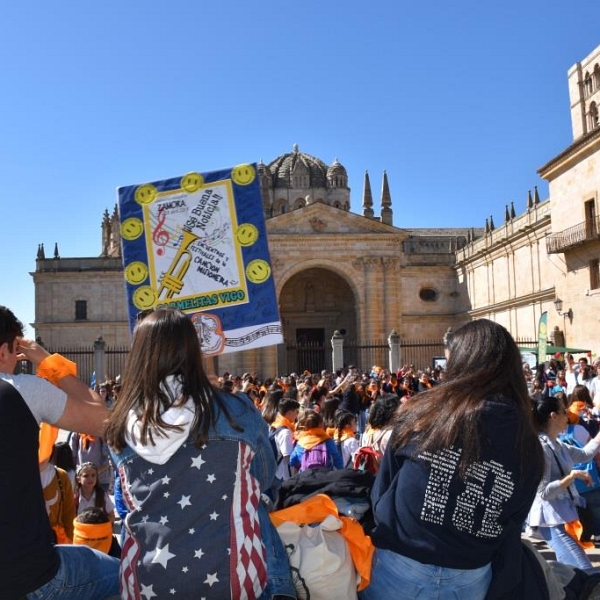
x,y
164,343
483,362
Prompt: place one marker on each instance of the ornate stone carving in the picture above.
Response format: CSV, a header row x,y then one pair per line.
x,y
317,224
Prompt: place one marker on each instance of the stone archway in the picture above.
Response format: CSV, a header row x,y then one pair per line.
x,y
313,304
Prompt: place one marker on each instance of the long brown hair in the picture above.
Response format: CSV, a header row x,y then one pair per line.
x,y
164,343
484,362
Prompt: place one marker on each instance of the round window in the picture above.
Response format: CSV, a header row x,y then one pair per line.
x,y
428,295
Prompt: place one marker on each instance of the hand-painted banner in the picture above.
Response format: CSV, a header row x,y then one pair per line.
x,y
542,337
199,243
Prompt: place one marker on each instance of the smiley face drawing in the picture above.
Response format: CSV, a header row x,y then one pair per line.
x,y
246,234
144,297
136,273
243,174
131,229
192,182
258,271
145,194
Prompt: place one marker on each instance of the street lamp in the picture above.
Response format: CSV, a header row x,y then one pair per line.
x,y
558,304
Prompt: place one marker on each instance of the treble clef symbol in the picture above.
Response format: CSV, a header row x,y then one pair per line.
x,y
160,236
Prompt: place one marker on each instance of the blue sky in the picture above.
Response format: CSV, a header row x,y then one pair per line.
x,y
461,102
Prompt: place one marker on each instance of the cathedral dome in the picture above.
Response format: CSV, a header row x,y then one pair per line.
x,y
337,169
284,167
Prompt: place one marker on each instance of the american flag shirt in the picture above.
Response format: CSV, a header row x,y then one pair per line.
x,y
193,529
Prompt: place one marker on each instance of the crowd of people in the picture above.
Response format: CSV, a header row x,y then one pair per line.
x,y
462,458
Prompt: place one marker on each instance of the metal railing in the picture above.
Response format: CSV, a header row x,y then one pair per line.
x,y
573,236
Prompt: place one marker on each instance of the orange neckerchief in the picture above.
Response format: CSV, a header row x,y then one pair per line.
x,y
330,431
281,421
86,440
309,438
94,535
575,529
346,434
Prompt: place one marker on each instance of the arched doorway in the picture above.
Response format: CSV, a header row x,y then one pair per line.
x,y
313,304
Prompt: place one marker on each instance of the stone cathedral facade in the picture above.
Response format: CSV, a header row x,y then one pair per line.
x,y
365,276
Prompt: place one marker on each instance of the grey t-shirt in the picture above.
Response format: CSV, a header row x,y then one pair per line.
x,y
46,401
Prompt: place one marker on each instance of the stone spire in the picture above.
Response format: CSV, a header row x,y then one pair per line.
x,y
41,255
506,214
105,233
367,200
386,202
529,200
492,226
536,196
513,214
56,254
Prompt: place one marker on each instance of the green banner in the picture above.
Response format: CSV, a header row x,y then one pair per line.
x,y
542,337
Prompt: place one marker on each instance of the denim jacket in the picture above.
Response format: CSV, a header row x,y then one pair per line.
x,y
196,523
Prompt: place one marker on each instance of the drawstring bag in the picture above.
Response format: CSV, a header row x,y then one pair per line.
x,y
330,556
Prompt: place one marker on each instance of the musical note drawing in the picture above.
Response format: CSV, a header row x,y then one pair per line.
x,y
160,236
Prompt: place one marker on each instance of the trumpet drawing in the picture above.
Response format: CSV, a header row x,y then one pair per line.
x,y
172,282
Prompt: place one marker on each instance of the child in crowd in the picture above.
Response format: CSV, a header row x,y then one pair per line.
x,y
314,448
345,436
90,493
283,428
92,527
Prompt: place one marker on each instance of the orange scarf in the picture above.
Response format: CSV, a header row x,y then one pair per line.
x,y
575,529
281,421
346,434
94,535
330,431
309,438
86,440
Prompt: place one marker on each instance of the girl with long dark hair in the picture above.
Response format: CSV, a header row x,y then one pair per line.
x,y
459,475
193,462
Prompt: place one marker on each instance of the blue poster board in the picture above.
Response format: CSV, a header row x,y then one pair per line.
x,y
199,243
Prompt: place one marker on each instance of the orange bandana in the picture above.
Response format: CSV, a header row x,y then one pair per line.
x,y
281,421
311,437
94,535
346,434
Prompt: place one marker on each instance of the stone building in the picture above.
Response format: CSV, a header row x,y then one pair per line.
x,y
358,274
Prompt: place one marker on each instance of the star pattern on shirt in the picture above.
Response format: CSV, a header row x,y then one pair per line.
x,y
145,518
151,471
191,531
166,495
211,478
185,501
184,569
165,480
164,520
211,579
213,516
163,556
198,553
147,591
198,462
224,497
172,591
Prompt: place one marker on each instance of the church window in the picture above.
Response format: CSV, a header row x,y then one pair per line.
x,y
597,77
80,310
594,274
593,116
428,294
299,203
587,85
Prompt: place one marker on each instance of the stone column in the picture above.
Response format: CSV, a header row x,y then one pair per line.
x,y
100,360
394,355
337,344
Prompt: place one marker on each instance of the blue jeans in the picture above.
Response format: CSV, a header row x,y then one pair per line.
x,y
566,549
84,574
396,576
